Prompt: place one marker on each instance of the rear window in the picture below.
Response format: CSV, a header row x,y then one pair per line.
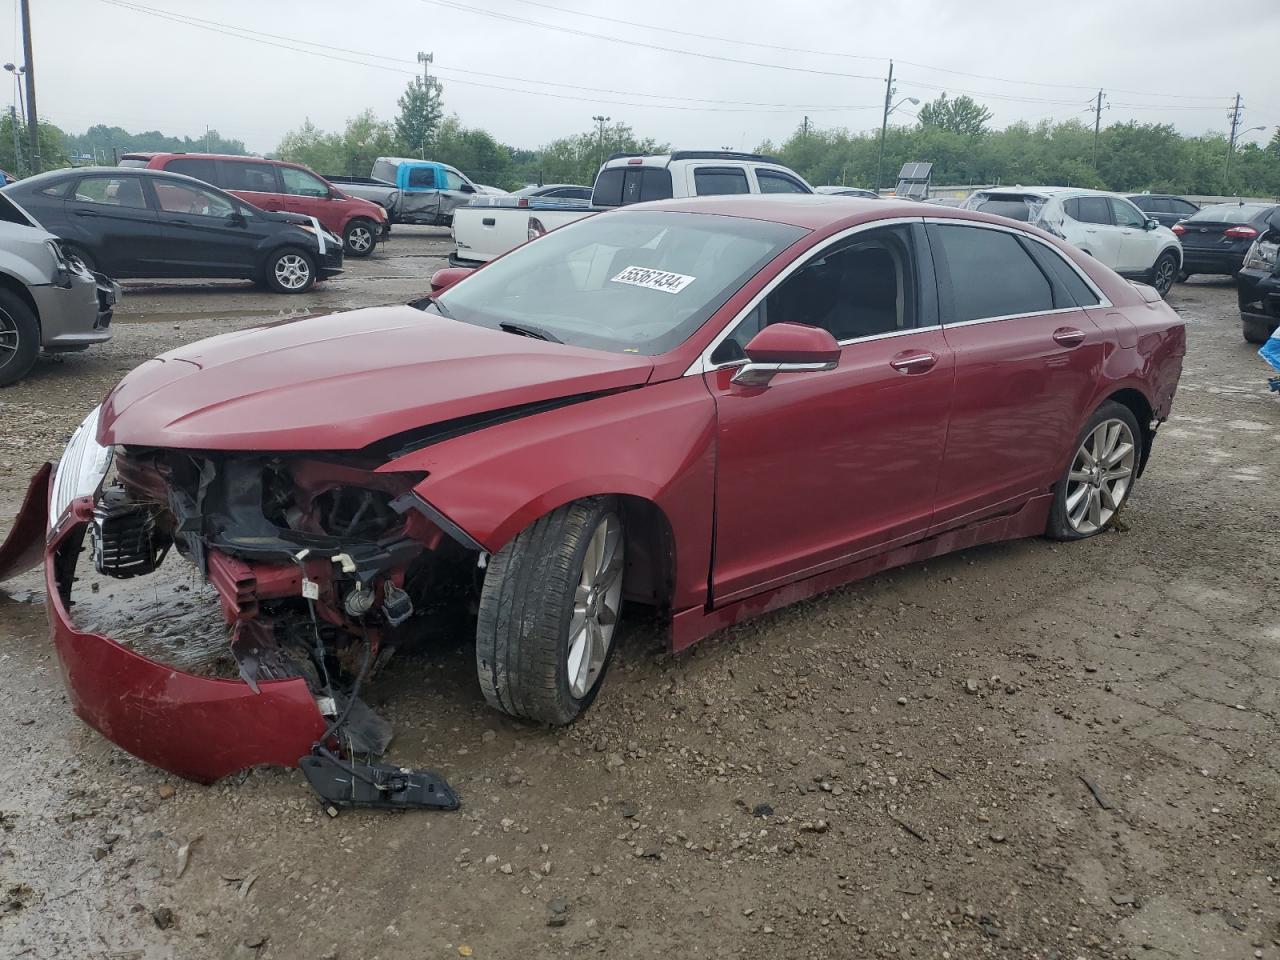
x,y
617,186
206,170
1014,209
384,170
134,162
1229,213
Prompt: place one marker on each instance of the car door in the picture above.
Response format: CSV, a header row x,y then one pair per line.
x,y
817,470
1098,236
206,233
109,215
457,192
307,194
253,181
1027,358
1138,242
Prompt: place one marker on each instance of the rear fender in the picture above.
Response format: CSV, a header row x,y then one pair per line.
x,y
655,442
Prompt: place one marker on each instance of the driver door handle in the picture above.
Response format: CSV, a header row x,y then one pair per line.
x,y
913,362
1069,336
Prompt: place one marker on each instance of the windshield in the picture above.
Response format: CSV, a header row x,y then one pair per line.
x,y
626,281
1229,213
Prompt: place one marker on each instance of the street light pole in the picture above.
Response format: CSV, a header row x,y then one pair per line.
x,y
602,120
33,125
1231,148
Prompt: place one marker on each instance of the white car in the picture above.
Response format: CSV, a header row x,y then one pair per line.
x,y
1107,226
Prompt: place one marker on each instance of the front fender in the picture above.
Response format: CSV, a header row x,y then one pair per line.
x,y
656,442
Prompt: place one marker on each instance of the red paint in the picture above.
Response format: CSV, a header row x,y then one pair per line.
x,y
792,343
199,728
24,546
443,279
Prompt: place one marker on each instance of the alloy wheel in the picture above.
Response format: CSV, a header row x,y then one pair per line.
x,y
292,271
8,338
595,606
1165,274
1100,476
359,239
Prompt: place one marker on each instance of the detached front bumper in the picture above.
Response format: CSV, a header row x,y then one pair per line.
x,y
197,727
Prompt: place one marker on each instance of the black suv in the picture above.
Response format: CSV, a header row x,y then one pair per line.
x,y
148,223
1258,284
1164,207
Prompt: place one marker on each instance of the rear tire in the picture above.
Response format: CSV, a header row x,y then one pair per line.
x,y
290,271
548,613
1256,330
19,338
1164,272
1100,476
360,238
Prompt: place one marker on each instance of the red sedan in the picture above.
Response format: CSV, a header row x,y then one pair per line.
x,y
711,407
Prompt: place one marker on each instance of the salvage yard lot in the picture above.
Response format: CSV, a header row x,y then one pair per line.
x,y
1031,749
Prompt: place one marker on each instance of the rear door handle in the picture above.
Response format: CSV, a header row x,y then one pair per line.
x,y
180,222
1069,336
86,213
913,362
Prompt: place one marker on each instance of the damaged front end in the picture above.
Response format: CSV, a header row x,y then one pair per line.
x,y
322,568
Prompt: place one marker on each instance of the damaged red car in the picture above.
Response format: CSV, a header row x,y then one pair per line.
x,y
710,407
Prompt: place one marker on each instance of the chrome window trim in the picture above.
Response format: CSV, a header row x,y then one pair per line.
x,y
703,363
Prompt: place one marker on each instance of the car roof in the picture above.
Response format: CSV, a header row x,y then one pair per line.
x,y
816,211
153,154
67,173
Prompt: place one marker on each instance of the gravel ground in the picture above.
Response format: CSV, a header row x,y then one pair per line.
x,y
1026,750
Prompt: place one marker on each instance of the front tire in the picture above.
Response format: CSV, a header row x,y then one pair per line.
x,y
290,271
1256,330
19,339
1164,273
548,612
360,238
1100,476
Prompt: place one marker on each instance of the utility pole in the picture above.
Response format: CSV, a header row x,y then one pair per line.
x,y
1234,117
806,126
17,158
33,125
1097,125
426,59
884,123
602,120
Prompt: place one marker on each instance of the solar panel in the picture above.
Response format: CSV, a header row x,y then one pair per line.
x,y
915,171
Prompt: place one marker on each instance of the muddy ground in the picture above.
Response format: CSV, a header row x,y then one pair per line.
x,y
1027,750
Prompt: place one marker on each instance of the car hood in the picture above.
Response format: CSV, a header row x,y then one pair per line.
x,y
345,381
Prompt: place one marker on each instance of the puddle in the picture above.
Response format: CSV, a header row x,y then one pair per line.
x,y
170,615
268,316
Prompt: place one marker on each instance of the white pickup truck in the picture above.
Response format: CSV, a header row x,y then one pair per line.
x,y
481,233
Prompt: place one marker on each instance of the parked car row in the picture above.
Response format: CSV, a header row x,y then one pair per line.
x,y
413,191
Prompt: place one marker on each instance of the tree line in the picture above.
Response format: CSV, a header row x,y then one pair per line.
x,y
952,133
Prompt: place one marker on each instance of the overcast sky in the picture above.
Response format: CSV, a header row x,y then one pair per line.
x,y
1176,61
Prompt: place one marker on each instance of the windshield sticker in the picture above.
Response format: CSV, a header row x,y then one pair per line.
x,y
654,279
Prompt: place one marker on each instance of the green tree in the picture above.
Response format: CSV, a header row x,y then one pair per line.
x,y
576,159
475,152
104,142
420,114
350,153
963,115
53,150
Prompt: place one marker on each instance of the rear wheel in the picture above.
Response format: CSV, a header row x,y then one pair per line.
x,y
1256,329
19,338
1100,476
360,237
548,611
1164,272
290,271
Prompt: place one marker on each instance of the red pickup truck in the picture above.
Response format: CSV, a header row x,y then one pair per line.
x,y
282,187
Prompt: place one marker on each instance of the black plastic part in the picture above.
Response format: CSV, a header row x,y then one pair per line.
x,y
377,785
125,540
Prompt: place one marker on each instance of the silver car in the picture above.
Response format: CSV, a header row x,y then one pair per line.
x,y
49,300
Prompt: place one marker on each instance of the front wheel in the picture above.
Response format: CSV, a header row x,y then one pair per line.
x,y
1256,329
360,237
1164,272
1100,476
19,339
548,611
290,271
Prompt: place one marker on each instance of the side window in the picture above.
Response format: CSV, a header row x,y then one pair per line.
x,y
300,183
113,191
250,177
452,181
1090,210
1126,214
187,198
422,177
1144,203
1069,287
717,181
1156,205
861,287
1183,207
773,182
974,256
205,170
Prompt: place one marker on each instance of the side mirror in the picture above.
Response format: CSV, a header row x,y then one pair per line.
x,y
1151,223
237,219
787,348
443,279
467,188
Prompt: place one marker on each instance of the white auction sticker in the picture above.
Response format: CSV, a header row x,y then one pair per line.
x,y
654,279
